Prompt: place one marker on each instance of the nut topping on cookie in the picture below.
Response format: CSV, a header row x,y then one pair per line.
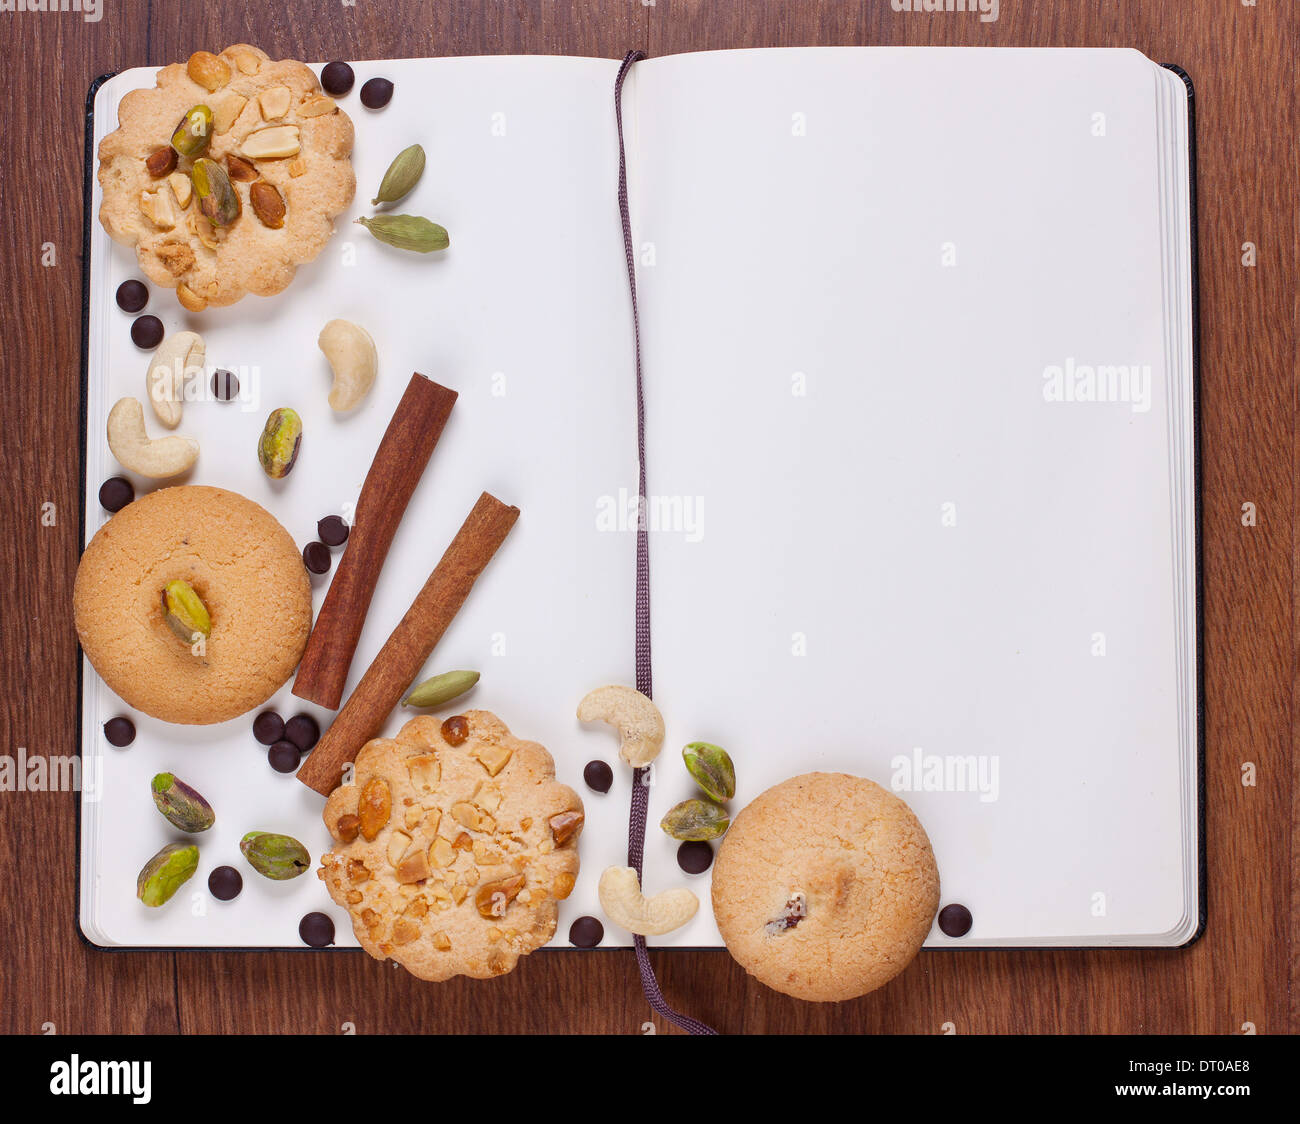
x,y
467,879
239,169
375,807
226,111
318,107
455,730
268,204
492,898
193,133
275,102
274,143
161,162
208,71
565,826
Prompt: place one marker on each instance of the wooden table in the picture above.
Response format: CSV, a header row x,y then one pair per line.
x,y
1244,971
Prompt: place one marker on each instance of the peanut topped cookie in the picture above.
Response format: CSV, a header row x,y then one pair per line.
x,y
825,887
227,175
453,844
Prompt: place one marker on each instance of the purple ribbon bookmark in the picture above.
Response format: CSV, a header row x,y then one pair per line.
x,y
644,680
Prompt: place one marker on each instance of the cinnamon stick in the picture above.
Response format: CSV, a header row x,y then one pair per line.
x,y
400,659
399,463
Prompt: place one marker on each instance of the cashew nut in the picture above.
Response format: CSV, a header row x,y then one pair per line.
x,y
131,445
640,725
177,358
352,357
625,905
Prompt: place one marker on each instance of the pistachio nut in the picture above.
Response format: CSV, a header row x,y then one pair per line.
x,y
441,689
712,769
218,200
193,134
166,873
278,857
696,820
182,806
408,232
402,175
277,448
184,611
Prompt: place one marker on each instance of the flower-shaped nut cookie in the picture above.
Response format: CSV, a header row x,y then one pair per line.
x,y
453,844
260,169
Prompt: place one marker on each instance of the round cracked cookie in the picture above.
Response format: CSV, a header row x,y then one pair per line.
x,y
247,573
453,845
825,887
276,172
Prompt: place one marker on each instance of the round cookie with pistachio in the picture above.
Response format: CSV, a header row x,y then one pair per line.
x,y
825,887
227,175
192,604
453,845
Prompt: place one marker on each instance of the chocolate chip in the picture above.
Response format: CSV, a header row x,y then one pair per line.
x,y
132,296
316,557
332,530
376,93
303,731
115,493
317,930
336,79
225,386
695,858
955,920
119,732
586,932
146,332
224,883
268,727
599,776
284,756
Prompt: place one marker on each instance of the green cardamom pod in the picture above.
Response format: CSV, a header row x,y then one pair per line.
x,y
183,806
408,232
441,689
712,769
402,175
275,856
184,611
696,820
166,873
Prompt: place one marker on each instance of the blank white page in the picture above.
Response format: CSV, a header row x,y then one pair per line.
x,y
879,542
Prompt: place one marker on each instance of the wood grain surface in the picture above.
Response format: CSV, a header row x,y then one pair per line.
x,y
1242,58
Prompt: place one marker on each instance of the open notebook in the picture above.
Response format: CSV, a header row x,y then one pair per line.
x,y
918,330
